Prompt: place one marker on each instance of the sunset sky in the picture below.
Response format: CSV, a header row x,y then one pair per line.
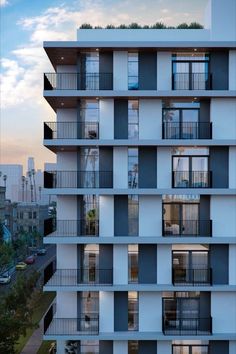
x,y
25,24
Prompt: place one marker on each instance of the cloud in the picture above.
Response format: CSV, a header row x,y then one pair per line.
x,y
164,11
4,2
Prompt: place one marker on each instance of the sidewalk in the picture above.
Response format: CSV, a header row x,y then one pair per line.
x,y
35,341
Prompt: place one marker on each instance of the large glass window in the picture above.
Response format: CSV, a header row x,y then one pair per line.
x,y
132,311
132,347
89,217
189,349
92,71
89,167
133,167
89,347
89,118
133,71
90,261
133,263
133,215
133,119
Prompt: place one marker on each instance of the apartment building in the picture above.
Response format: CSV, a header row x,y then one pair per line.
x,y
145,137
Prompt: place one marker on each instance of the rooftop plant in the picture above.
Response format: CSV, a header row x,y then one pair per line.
x,y
134,25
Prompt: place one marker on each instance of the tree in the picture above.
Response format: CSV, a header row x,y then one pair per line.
x,y
15,312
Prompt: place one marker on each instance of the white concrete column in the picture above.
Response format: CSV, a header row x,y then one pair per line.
x,y
66,304
164,264
150,119
223,309
120,264
164,347
232,70
120,347
223,224
66,256
106,215
164,71
150,312
106,311
120,70
66,207
61,346
222,115
164,167
120,167
232,346
232,165
106,119
232,265
150,215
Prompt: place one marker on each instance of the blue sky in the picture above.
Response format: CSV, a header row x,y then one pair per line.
x,y
25,24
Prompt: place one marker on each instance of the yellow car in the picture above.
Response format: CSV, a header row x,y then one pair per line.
x,y
21,266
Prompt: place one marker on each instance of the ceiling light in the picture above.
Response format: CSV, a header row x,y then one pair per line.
x,y
195,49
97,49
62,103
62,58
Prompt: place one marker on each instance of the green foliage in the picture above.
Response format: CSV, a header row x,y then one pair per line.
x,y
6,253
183,26
195,25
110,27
16,312
157,25
1,233
135,25
86,26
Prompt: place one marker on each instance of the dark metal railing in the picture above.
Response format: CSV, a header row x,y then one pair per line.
x,y
78,81
187,227
78,179
48,272
186,130
186,326
191,81
71,130
75,228
193,276
48,317
191,179
49,226
133,179
86,324
83,276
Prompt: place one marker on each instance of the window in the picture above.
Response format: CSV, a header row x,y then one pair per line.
x,y
133,119
35,214
89,347
92,71
133,167
89,117
133,215
90,264
133,263
30,214
89,167
89,221
133,71
132,311
189,349
132,347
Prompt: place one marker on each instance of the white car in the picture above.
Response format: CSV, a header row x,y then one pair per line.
x,y
5,279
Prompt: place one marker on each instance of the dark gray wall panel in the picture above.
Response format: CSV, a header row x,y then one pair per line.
x,y
106,346
106,70
105,263
121,119
80,249
219,262
147,262
147,347
219,165
204,215
121,311
121,215
147,71
204,117
219,68
218,347
147,167
105,165
205,310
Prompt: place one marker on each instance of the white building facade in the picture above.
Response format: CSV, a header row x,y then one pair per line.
x,y
145,138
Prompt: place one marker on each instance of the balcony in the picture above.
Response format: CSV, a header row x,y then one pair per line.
x,y
78,179
186,130
86,324
71,228
186,228
191,81
191,179
78,81
71,130
85,276
193,276
186,326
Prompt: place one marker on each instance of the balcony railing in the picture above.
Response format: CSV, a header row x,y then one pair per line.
x,y
71,130
78,179
186,326
191,81
191,179
186,228
49,226
186,130
196,276
72,228
133,179
78,81
84,276
86,324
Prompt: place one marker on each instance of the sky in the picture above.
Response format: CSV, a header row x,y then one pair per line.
x,y
24,25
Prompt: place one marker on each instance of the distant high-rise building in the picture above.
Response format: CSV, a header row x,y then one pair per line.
x,y
31,165
11,177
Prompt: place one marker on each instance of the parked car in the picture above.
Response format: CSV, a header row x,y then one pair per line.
x,y
21,266
5,279
41,251
30,259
